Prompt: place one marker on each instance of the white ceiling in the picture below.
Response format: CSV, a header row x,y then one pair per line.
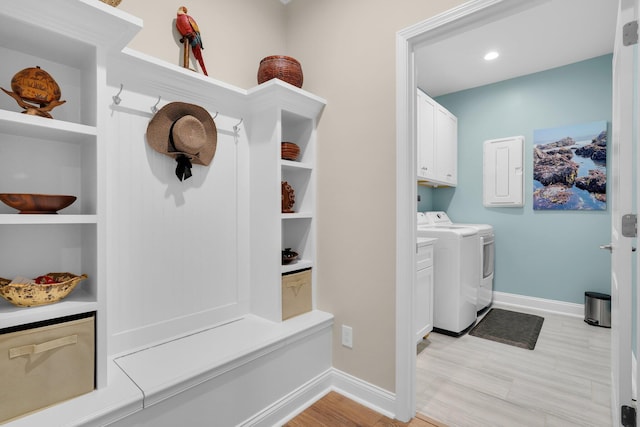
x,y
549,34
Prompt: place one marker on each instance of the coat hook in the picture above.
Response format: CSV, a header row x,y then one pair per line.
x,y
154,108
236,128
215,115
116,97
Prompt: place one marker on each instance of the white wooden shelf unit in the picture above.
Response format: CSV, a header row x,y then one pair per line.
x,y
63,155
75,41
285,114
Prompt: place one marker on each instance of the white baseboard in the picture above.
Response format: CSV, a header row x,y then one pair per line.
x,y
552,306
295,402
369,395
372,396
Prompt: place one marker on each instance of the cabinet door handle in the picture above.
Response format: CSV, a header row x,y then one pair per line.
x,y
41,348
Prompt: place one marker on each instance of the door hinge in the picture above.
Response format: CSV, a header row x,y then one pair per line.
x,y
628,416
630,33
630,225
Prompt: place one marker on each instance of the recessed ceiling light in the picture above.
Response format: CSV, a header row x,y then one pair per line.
x,y
490,56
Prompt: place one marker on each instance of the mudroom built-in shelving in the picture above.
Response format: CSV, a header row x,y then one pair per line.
x,y
286,114
62,155
190,266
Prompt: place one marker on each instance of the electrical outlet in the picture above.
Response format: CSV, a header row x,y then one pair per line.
x,y
347,336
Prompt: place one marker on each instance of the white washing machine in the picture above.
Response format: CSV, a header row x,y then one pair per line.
x,y
487,255
456,261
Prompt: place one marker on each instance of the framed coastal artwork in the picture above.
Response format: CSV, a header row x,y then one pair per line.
x,y
570,167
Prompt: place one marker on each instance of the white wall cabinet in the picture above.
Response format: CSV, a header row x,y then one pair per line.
x,y
437,143
423,296
503,172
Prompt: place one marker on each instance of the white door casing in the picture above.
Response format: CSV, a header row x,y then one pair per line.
x,y
448,22
475,11
636,142
622,189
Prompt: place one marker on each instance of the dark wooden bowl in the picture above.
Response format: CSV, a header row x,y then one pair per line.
x,y
37,203
280,67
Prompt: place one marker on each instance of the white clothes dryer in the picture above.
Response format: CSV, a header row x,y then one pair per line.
x,y
456,261
487,255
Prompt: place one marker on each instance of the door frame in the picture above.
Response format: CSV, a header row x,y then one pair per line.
x,y
471,13
624,114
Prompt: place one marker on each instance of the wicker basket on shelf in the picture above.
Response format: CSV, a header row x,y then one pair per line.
x,y
281,67
34,294
289,151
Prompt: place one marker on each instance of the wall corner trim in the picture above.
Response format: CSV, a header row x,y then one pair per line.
x,y
367,394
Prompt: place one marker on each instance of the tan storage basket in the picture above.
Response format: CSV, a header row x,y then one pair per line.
x,y
45,365
296,293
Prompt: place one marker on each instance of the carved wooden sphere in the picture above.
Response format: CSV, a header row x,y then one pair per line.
x,y
35,85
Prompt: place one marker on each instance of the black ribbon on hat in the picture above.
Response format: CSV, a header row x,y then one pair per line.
x,y
183,169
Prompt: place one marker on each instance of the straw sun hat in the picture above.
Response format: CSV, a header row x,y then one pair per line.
x,y
185,132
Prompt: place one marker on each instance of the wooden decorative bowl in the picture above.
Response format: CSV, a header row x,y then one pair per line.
x,y
289,151
280,67
37,203
34,294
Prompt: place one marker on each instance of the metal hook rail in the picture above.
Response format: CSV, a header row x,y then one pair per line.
x,y
154,109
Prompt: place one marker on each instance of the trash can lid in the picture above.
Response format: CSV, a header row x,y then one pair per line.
x,y
597,295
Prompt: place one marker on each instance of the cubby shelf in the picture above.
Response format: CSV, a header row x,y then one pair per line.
x,y
14,123
289,164
300,264
76,303
297,215
28,219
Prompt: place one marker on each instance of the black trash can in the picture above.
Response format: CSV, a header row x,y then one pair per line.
x,y
597,309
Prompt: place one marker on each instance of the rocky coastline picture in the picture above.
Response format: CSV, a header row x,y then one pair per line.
x,y
570,167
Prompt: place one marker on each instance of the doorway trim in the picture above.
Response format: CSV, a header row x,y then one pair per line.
x,y
471,13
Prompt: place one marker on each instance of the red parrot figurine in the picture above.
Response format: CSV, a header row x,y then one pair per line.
x,y
188,28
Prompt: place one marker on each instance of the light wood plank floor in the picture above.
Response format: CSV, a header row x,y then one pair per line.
x,y
474,382
335,410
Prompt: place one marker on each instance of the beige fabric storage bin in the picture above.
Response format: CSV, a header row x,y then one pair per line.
x,y
45,365
296,293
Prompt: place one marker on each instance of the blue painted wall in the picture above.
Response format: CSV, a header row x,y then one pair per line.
x,y
546,254
426,198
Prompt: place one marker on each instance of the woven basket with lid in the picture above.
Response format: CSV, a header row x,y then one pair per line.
x,y
280,67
